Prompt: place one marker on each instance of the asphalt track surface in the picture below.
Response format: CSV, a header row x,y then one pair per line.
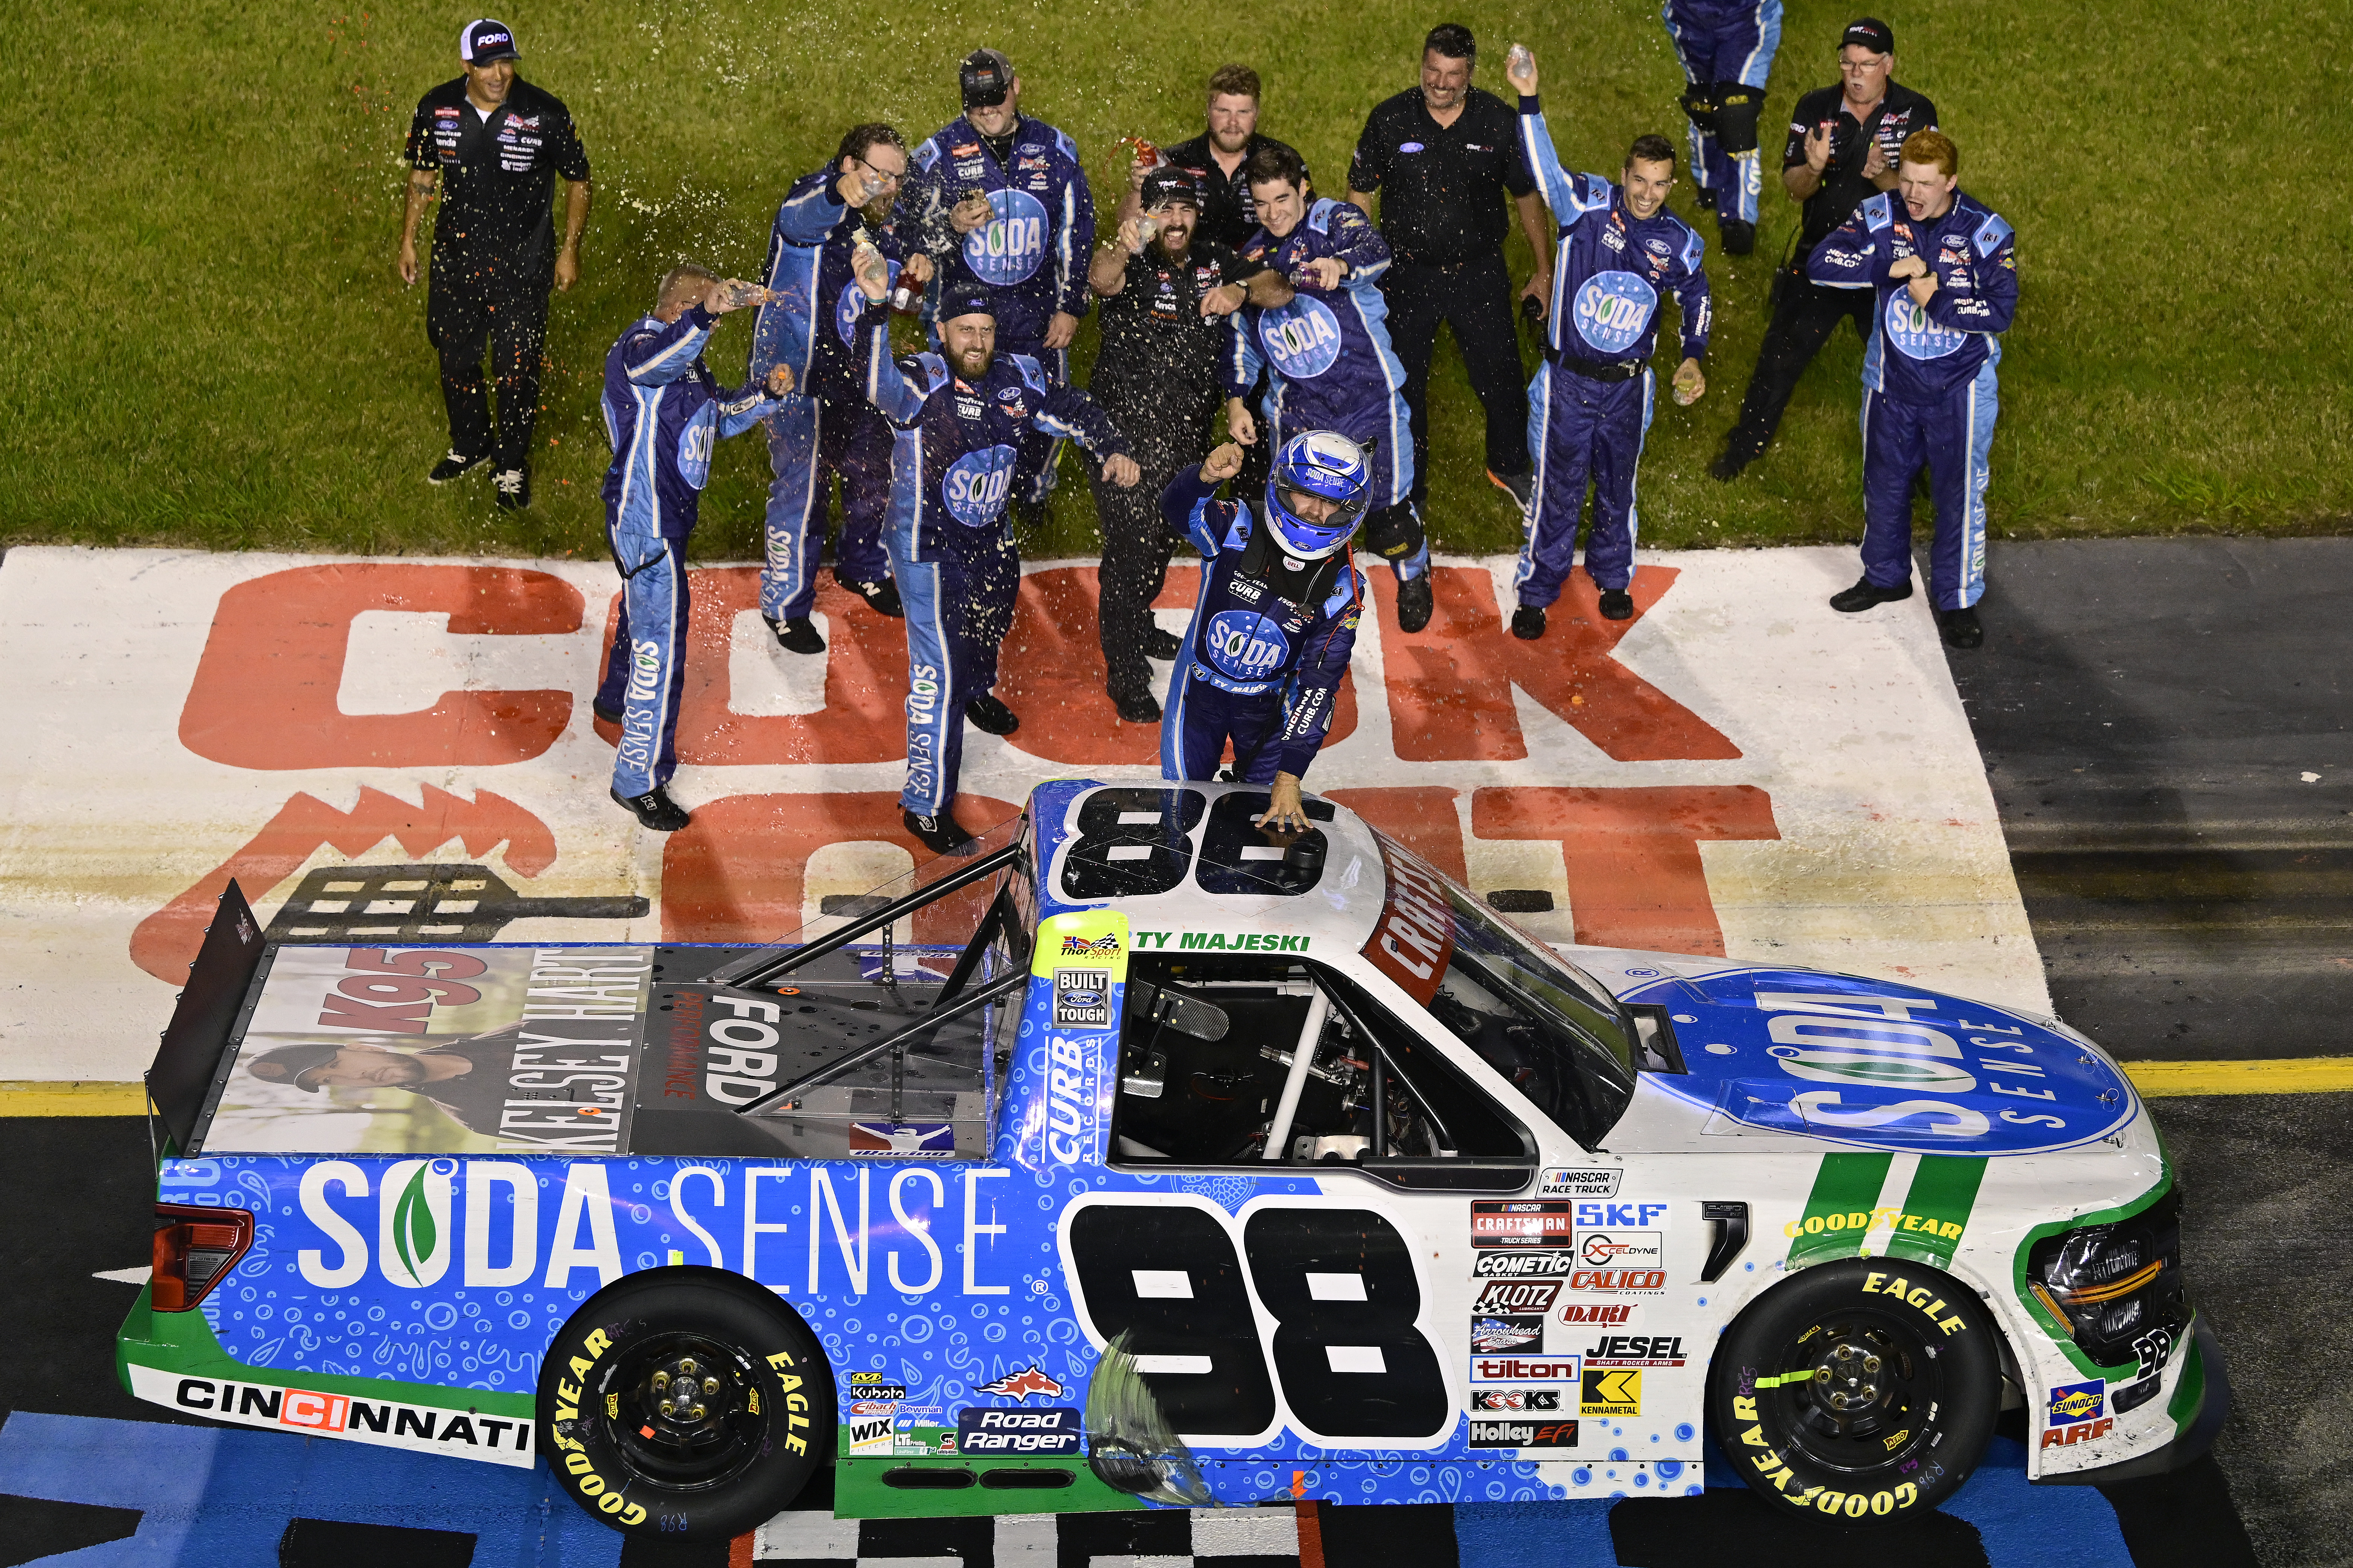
x,y
2148,711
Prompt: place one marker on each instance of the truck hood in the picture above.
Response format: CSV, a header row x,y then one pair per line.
x,y
1870,1063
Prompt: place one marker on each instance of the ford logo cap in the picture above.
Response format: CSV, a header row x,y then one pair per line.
x,y
487,40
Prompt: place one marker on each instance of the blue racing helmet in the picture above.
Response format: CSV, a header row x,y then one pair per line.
x,y
1319,463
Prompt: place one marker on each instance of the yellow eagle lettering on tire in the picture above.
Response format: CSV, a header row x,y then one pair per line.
x,y
781,1360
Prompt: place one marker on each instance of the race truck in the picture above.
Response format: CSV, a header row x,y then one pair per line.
x,y
1143,1157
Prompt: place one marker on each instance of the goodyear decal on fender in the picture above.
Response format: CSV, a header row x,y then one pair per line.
x,y
1937,1209
1840,1209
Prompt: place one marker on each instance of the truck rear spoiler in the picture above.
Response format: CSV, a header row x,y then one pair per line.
x,y
194,1049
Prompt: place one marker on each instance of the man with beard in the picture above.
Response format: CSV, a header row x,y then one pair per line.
x,y
500,143
1166,292
832,429
1589,405
955,416
1326,354
465,1078
1001,199
1946,272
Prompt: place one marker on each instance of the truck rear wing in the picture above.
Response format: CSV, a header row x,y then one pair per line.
x,y
195,1054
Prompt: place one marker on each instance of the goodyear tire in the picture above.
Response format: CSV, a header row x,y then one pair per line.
x,y
680,1402
1862,1390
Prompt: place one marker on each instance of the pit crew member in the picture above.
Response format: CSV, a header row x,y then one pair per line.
x,y
831,428
502,142
1946,274
1726,48
1843,146
1590,405
955,415
1326,354
664,412
1001,200
1166,295
1216,159
1276,620
1443,156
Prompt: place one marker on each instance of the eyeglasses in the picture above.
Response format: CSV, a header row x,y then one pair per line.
x,y
898,177
1858,67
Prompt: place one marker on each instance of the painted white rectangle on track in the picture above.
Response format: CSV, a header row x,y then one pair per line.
x,y
1738,769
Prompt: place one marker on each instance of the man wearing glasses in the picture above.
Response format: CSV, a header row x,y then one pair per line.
x,y
833,429
1841,151
1166,291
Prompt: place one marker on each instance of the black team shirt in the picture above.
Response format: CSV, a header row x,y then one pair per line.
x,y
498,177
1442,185
1157,352
1843,187
1227,214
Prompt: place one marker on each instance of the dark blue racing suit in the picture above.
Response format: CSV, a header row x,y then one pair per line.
x,y
1330,367
1590,405
832,429
1726,45
1031,254
1270,640
1929,392
664,412
952,465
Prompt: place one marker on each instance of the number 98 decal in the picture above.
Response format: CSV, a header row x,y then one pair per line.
x,y
1291,1313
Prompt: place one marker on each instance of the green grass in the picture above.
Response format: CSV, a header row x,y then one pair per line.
x,y
206,345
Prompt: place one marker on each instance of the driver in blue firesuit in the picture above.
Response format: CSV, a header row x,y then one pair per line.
x,y
664,412
1947,275
955,418
1590,405
1276,620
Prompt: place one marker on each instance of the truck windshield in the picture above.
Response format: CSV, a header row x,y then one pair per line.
x,y
1548,1028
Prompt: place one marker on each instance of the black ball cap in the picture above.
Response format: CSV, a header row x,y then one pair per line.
x,y
1170,183
987,76
1870,33
295,1065
965,301
486,40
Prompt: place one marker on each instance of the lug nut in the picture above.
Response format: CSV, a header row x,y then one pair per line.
x,y
710,1385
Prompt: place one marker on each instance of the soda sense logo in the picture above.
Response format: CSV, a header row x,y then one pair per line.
x,y
1009,245
1612,309
1301,339
1244,645
975,485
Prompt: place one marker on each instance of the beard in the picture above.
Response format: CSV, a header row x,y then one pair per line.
x,y
1171,246
973,363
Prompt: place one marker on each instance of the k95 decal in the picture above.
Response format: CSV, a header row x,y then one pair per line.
x,y
1345,1362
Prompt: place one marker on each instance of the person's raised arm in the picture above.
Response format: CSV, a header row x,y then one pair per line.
x,y
1183,503
1804,159
1107,270
1564,192
1851,256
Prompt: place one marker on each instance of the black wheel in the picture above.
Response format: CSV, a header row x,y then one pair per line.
x,y
1862,1390
681,1403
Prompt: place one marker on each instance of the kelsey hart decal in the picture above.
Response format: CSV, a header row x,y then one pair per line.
x,y
479,1050
1885,1067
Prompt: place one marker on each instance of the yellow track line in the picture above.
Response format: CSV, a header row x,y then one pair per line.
x,y
2279,1075
2155,1080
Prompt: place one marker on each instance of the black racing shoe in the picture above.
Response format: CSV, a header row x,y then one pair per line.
x,y
1703,199
883,597
455,466
1415,603
654,809
1521,488
941,835
1961,627
1136,707
610,715
796,636
1529,622
1864,595
990,716
1162,643
1740,449
514,486
1739,238
1617,604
